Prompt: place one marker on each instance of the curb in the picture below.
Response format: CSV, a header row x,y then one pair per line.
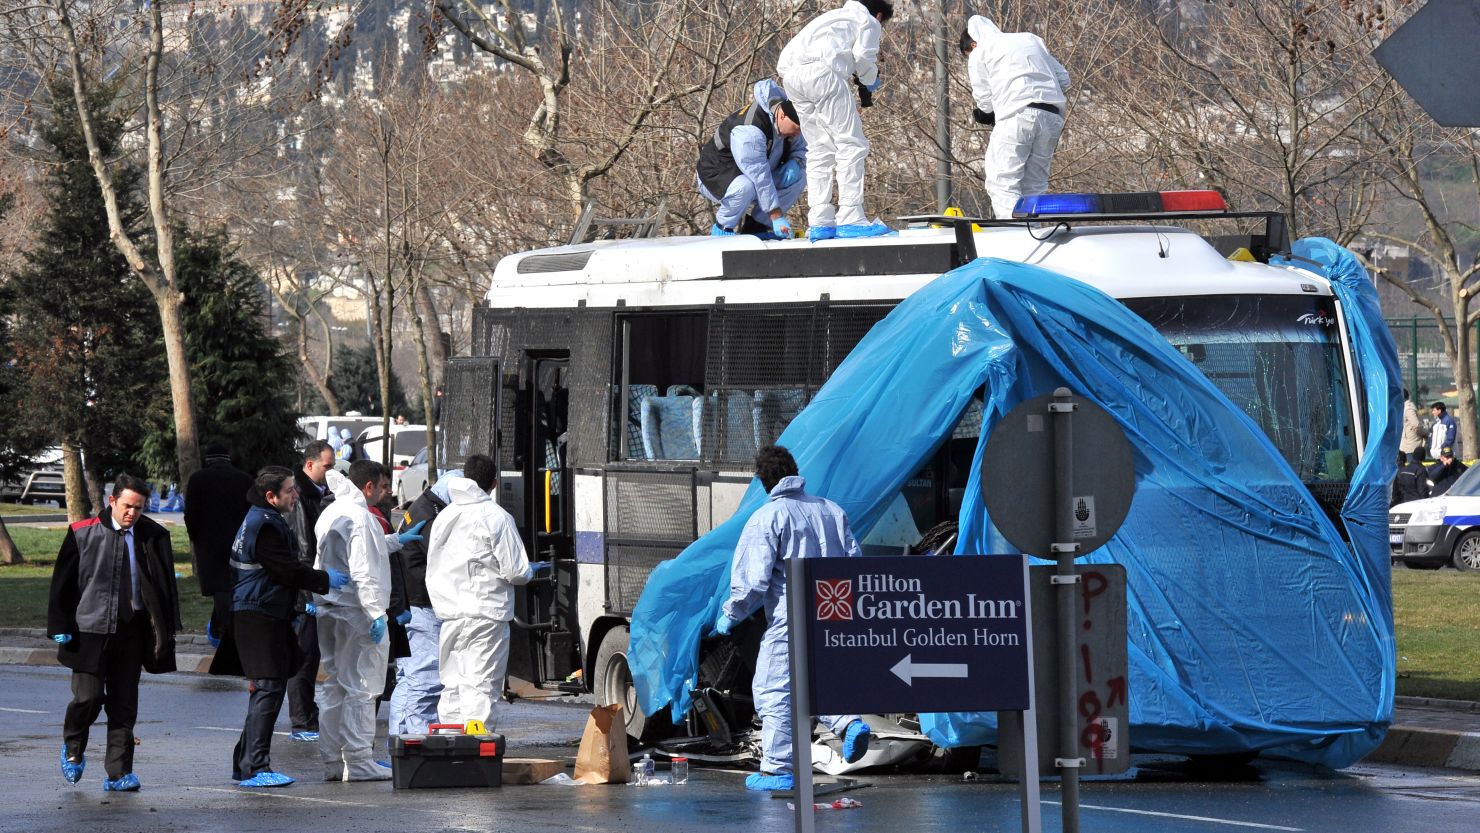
x,y
1422,746
184,663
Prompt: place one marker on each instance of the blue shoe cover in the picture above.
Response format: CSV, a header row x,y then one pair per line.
x,y
816,233
267,778
855,741
761,782
874,229
72,771
127,784
717,231
305,737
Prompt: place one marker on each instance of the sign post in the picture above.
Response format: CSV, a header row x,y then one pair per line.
x,y
909,634
1060,517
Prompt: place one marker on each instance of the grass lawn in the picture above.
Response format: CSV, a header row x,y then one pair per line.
x,y
8,510
1437,616
25,588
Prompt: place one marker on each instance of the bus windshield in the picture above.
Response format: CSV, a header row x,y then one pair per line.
x,y
1279,359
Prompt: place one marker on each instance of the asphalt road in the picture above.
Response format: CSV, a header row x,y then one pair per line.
x,y
188,725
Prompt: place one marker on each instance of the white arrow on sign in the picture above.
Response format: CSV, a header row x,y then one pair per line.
x,y
909,671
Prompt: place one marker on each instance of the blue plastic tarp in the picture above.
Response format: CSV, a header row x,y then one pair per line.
x,y
1253,624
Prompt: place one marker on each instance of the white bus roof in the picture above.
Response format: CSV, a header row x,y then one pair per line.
x,y
1125,261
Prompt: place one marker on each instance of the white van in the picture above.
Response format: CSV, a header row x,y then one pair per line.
x,y
1435,531
318,427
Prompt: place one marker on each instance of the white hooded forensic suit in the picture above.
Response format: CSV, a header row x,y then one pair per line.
x,y
1016,80
817,69
351,541
474,559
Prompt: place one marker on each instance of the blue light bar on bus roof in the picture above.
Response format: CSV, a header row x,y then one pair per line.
x,y
1145,202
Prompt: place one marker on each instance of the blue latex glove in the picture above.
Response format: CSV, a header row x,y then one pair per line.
x,y
874,87
211,637
62,638
781,228
413,534
311,609
403,617
337,579
541,565
723,624
377,629
789,174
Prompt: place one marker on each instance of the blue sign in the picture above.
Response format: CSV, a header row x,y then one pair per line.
x,y
917,634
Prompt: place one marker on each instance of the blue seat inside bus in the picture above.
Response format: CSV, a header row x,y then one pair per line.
x,y
673,426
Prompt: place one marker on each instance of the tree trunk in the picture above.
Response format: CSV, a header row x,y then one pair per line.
x,y
187,446
423,361
436,346
8,552
93,475
1464,373
72,477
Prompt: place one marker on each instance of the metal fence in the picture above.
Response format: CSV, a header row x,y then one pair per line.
x,y
1427,372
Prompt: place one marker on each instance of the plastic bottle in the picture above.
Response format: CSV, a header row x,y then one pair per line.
x,y
679,767
647,770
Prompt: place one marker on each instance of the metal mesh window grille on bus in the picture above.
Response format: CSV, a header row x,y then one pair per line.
x,y
470,398
649,516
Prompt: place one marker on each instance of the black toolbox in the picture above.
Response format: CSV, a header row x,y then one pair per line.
x,y
426,761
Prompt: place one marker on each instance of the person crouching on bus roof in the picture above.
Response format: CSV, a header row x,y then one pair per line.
x,y
819,68
751,168
1018,87
474,559
793,524
352,620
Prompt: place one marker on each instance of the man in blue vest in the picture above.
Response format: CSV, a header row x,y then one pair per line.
x,y
269,574
751,168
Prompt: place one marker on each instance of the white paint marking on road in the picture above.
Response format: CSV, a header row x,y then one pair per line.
x,y
22,711
281,795
1210,820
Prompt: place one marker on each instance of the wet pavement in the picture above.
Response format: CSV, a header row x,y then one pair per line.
x,y
188,724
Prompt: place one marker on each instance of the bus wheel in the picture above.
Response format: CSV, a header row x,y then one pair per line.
x,y
612,684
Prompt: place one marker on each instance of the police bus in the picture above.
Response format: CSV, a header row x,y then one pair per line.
x,y
625,385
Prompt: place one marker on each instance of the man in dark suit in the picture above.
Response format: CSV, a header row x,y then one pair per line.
x,y
313,494
114,611
215,504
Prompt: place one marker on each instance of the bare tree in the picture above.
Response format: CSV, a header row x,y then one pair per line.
x,y
1435,172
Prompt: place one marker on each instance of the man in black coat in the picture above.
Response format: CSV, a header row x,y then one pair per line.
x,y
1443,473
114,611
313,494
1411,482
215,503
269,574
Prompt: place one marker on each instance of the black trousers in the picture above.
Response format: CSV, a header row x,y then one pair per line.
x,y
302,709
116,688
253,753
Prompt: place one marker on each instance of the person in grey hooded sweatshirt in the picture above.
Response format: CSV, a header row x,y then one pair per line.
x,y
751,168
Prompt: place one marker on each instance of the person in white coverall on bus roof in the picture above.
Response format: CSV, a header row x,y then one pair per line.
x,y
352,645
818,68
1018,89
474,560
792,524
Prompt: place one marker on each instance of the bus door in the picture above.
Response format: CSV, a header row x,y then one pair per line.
x,y
544,646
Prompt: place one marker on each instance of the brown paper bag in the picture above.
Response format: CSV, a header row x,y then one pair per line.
x,y
602,758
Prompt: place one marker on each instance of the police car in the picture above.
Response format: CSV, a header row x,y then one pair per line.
x,y
1435,531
